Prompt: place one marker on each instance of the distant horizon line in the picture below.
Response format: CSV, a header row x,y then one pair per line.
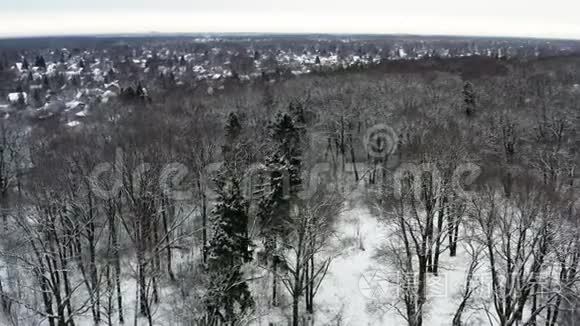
x,y
246,33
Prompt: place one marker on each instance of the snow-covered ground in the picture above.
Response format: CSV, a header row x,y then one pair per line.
x,y
355,291
349,287
359,290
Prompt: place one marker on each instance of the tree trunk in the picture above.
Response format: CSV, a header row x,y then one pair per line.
x,y
353,159
46,297
440,217
421,291
110,292
203,222
155,263
310,289
342,144
94,273
457,317
275,282
274,272
167,211
307,285
116,259
4,207
295,311
143,297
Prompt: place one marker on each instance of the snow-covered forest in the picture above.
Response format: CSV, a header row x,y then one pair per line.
x,y
435,191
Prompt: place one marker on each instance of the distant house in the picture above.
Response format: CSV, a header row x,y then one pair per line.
x,y
54,107
74,105
107,95
73,123
18,97
48,110
113,87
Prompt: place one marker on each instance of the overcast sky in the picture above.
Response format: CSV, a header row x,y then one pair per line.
x,y
555,18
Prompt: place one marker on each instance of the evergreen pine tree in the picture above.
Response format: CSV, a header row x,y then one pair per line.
x,y
25,65
296,110
40,62
75,82
234,148
284,164
468,98
268,99
170,80
36,98
286,134
230,245
229,248
111,74
233,128
283,172
139,90
21,102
